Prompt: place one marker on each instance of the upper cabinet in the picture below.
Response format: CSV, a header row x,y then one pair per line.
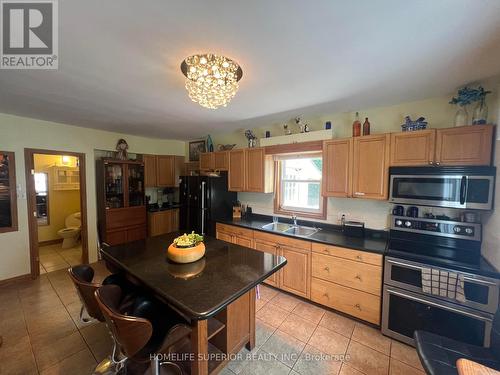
x,y
337,164
371,166
162,170
465,145
413,148
236,175
251,170
259,171
207,161
221,160
149,170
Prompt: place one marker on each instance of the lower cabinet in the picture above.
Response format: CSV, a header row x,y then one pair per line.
x,y
343,279
162,222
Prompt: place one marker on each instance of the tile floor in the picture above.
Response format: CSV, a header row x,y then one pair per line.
x,y
53,257
42,335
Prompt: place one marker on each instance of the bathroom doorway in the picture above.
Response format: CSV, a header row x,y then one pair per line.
x,y
57,209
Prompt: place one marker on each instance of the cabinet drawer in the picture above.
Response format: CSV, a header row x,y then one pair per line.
x,y
244,241
282,240
357,275
237,231
362,305
125,217
135,234
223,236
342,252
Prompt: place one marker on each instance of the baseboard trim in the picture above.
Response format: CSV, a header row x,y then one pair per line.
x,y
15,279
50,242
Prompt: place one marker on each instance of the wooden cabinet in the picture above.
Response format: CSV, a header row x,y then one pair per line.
x,y
162,222
207,161
294,277
120,201
162,170
149,170
236,174
221,160
344,279
371,166
251,170
347,280
259,171
337,165
168,170
272,248
465,145
413,148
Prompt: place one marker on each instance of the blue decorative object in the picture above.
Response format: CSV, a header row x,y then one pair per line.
x,y
210,144
467,96
328,125
410,125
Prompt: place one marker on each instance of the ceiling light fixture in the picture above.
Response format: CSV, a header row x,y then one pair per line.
x,y
211,80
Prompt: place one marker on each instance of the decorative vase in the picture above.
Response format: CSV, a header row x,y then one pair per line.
x,y
461,117
480,114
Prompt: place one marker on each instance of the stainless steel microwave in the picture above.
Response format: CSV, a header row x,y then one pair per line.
x,y
453,187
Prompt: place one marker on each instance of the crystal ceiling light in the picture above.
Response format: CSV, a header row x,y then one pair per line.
x,y
211,80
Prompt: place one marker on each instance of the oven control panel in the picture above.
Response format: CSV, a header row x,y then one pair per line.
x,y
445,228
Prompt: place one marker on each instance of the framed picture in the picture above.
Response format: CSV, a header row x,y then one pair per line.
x,y
195,149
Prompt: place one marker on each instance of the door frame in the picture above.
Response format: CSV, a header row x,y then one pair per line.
x,y
31,203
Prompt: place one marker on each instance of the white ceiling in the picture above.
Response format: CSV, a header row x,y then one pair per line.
x,y
119,59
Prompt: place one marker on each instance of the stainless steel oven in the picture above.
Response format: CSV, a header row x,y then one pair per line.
x,y
406,312
453,187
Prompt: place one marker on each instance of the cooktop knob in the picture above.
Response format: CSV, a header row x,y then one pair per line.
x,y
399,223
457,229
407,224
469,230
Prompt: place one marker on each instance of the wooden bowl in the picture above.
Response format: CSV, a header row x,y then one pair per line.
x,y
186,254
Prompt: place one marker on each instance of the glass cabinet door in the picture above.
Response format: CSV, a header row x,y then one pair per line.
x,y
8,208
135,185
113,180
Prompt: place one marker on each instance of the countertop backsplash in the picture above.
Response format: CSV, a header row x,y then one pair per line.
x,y
375,214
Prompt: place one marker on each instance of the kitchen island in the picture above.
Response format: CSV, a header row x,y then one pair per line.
x,y
216,294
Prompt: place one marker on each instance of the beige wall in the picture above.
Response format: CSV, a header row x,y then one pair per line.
x,y
61,202
17,133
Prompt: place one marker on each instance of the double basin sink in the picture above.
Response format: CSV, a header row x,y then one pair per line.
x,y
297,230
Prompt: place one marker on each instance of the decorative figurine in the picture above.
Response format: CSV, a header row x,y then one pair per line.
x,y
121,150
300,124
252,139
210,144
306,128
286,129
410,125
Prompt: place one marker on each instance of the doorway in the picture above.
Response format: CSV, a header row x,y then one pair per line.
x,y
57,209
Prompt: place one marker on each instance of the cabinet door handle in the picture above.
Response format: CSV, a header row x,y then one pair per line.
x,y
358,277
431,162
327,269
326,251
326,295
359,257
438,163
358,306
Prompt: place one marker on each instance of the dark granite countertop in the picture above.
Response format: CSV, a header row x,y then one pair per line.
x,y
155,208
199,289
374,241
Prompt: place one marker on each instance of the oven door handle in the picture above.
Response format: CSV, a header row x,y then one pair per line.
x,y
421,300
406,265
463,190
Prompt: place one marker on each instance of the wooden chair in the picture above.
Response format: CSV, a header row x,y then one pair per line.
x,y
147,334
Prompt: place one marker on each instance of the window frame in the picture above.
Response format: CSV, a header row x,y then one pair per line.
x,y
12,193
278,209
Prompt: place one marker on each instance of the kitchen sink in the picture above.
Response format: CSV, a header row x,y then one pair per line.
x,y
277,227
301,231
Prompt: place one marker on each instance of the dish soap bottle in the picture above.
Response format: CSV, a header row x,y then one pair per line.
x,y
356,126
366,127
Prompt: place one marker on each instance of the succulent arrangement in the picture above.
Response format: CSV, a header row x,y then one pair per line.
x,y
468,95
188,240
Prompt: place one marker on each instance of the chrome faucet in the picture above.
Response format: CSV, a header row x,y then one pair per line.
x,y
275,219
294,218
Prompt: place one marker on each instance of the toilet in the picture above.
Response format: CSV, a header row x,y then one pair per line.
x,y
71,233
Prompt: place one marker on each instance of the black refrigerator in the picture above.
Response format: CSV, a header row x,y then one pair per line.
x,y
204,200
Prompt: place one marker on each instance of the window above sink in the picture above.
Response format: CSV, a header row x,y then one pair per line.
x,y
299,184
